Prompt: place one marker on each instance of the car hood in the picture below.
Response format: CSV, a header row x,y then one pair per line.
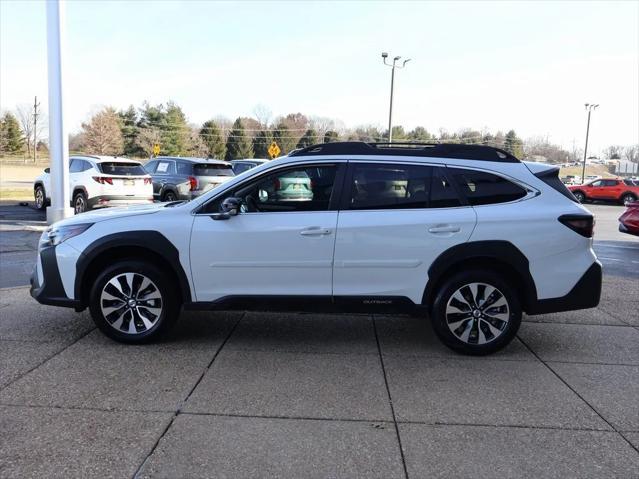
x,y
111,213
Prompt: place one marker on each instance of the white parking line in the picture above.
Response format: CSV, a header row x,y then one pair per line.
x,y
611,259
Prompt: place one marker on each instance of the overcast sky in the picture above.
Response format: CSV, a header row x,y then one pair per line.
x,y
494,65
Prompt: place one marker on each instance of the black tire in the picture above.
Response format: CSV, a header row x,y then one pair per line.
x,y
80,203
580,196
39,198
477,342
169,196
628,198
107,317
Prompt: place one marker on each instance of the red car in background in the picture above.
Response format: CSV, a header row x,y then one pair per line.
x,y
610,189
629,220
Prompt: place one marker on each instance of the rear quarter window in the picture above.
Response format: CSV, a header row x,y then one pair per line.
x,y
482,188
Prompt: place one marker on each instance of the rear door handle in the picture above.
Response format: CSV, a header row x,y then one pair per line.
x,y
444,229
315,231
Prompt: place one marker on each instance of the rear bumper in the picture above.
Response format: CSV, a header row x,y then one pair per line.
x,y
629,230
585,294
105,201
50,291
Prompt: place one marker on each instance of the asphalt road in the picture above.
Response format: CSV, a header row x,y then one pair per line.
x,y
21,227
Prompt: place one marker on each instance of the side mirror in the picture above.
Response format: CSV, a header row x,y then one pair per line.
x,y
230,207
47,170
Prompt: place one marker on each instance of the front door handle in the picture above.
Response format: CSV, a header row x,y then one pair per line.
x,y
315,231
444,229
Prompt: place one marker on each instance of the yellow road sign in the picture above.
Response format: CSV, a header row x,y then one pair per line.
x,y
274,150
156,149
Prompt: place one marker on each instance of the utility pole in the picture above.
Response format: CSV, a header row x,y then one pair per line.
x,y
35,129
390,112
589,107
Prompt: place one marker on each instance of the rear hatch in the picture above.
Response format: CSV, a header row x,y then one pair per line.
x,y
125,179
210,175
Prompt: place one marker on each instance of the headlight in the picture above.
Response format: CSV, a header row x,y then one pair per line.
x,y
55,235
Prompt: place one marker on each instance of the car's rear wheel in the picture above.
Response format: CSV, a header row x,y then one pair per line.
x,y
80,204
580,196
476,312
169,196
628,198
39,198
133,302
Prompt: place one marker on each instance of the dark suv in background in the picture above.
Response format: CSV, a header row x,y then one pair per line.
x,y
177,178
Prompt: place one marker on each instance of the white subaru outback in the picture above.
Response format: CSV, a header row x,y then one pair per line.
x,y
467,235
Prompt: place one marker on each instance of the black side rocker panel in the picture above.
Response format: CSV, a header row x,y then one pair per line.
x,y
150,240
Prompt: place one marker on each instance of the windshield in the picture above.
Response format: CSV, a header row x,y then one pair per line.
x,y
125,169
206,169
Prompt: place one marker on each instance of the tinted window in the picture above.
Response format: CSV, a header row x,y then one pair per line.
x,y
208,169
150,166
597,183
610,182
117,168
298,189
390,186
241,167
481,188
184,168
165,168
75,166
631,182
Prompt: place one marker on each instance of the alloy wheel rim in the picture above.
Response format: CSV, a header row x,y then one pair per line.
x,y
131,303
39,198
477,313
79,204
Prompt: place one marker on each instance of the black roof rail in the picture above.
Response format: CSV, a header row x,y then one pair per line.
x,y
433,150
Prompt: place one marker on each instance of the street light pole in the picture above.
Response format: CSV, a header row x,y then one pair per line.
x,y
589,107
390,112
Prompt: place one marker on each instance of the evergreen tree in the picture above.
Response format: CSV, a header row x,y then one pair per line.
x,y
309,139
176,137
11,135
284,139
331,136
419,134
130,131
238,144
513,144
212,137
261,142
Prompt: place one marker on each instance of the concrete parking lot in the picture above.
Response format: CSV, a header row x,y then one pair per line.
x,y
310,395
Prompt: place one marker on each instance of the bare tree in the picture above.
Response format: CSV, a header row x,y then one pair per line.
x,y
263,114
103,134
25,117
613,152
631,153
147,138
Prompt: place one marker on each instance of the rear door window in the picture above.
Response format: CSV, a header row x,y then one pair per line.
x,y
377,186
121,169
208,169
184,168
165,168
482,188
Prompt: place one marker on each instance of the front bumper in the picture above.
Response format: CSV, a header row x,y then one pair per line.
x,y
50,290
585,294
105,201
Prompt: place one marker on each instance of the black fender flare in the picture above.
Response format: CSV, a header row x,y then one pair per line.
x,y
502,252
150,240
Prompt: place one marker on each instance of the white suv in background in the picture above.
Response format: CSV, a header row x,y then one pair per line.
x,y
466,235
98,182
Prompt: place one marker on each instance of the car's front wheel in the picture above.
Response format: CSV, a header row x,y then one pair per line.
x,y
133,302
39,197
476,312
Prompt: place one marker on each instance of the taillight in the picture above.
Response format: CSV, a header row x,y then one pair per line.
x,y
103,180
148,181
581,224
193,181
